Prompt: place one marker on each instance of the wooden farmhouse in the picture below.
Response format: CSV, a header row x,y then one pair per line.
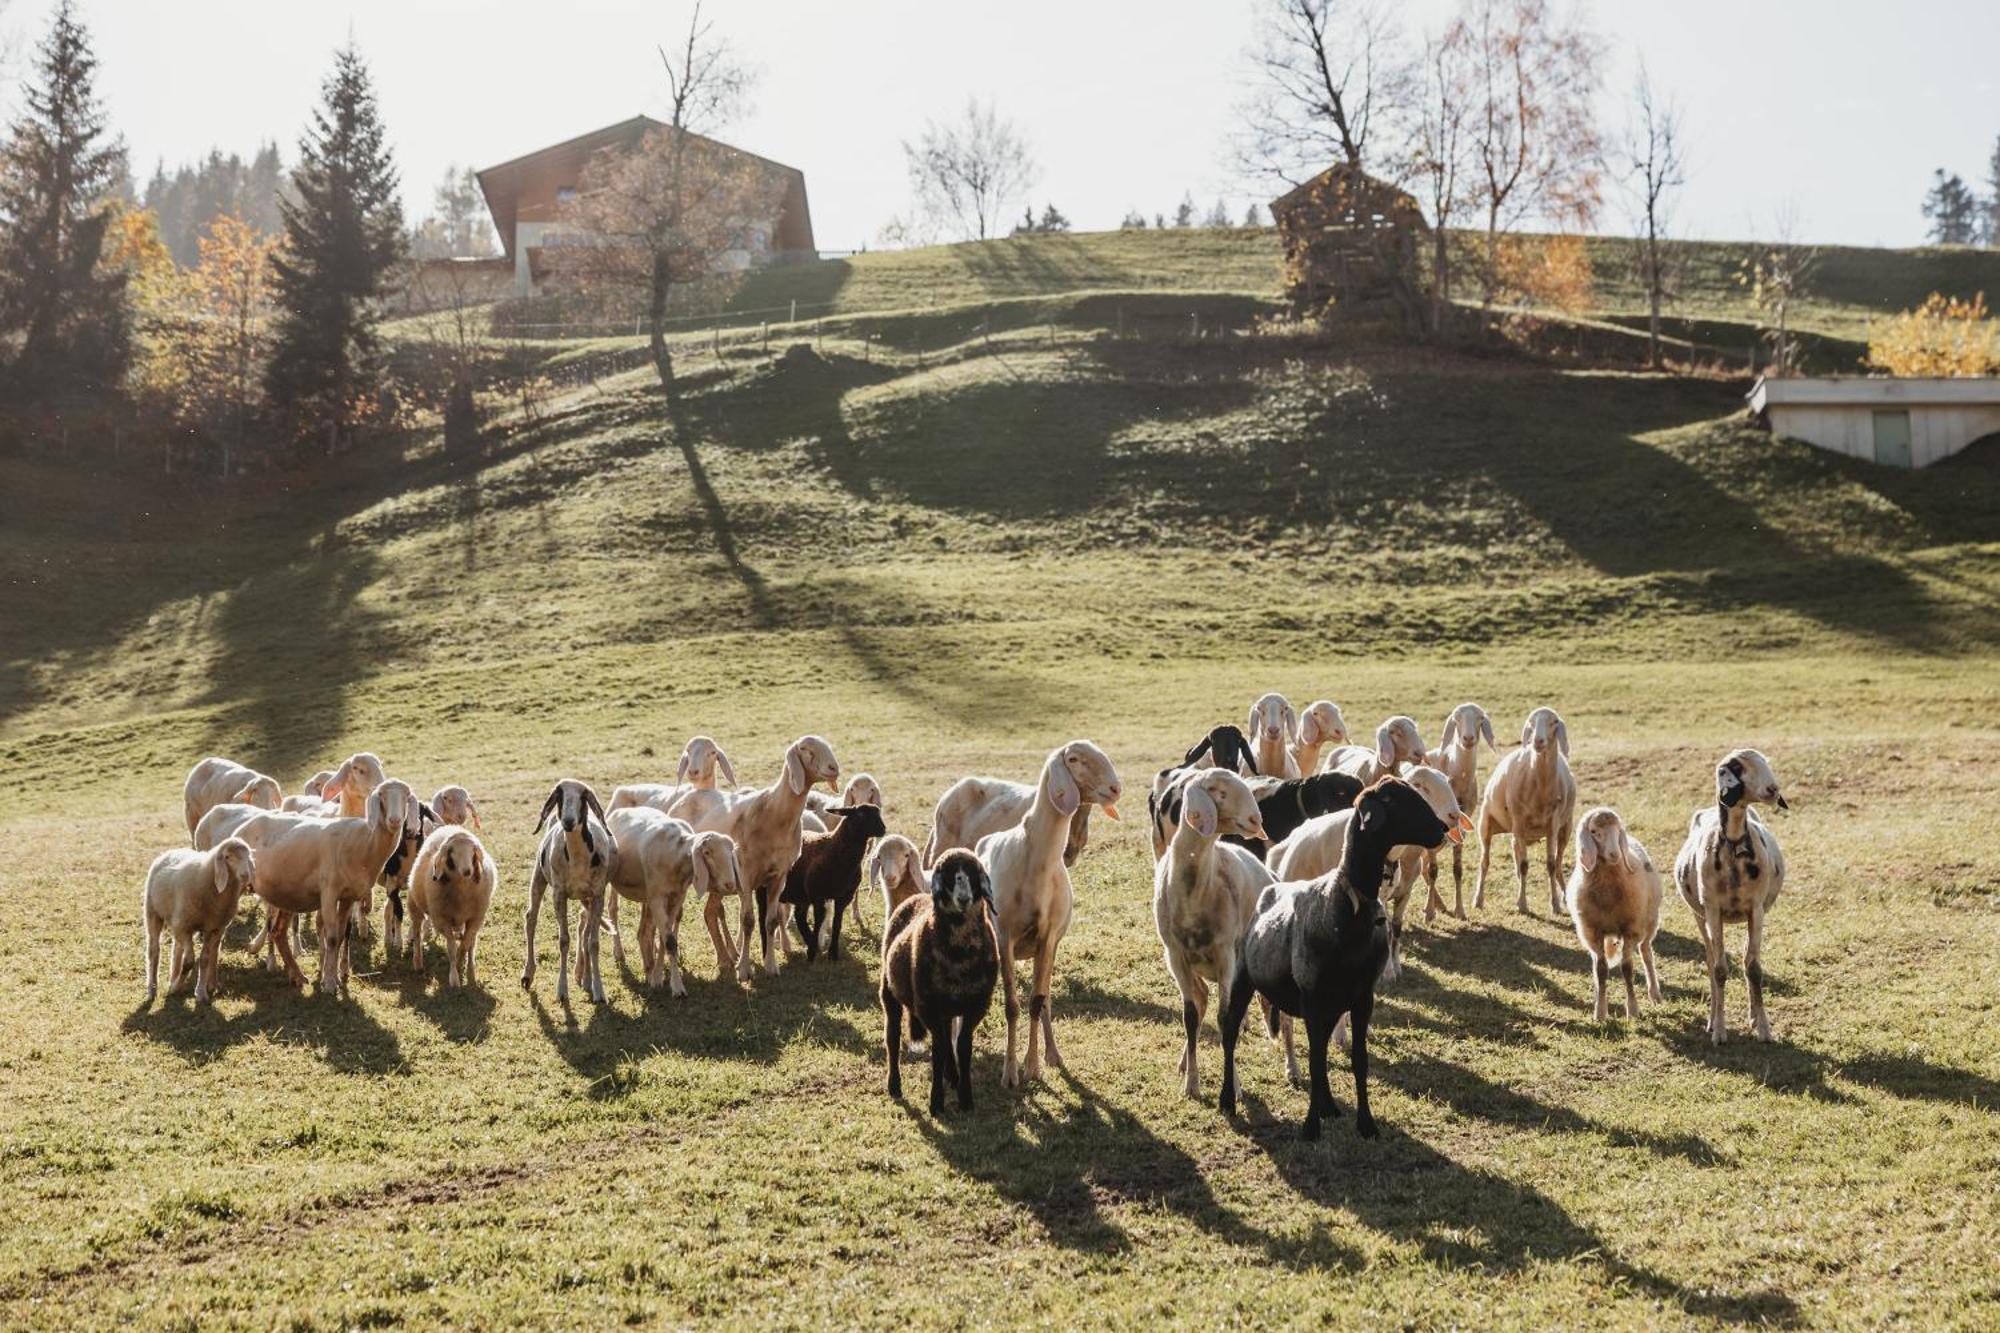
x,y
1354,247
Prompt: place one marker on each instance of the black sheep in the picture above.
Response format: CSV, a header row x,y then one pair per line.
x,y
1316,949
940,962
1283,805
828,871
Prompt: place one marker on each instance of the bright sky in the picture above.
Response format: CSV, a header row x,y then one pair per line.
x,y
1840,107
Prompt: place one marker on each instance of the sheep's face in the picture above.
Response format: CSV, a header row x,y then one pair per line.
x,y
392,805
1545,728
863,790
808,762
1089,776
361,773
958,883
1436,790
317,782
1745,775
453,805
1397,741
235,867
1232,808
866,818
897,861
1272,720
700,760
1601,836
1394,810
261,792
462,859
1465,726
1322,724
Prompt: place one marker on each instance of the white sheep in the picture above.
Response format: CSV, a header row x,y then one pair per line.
x,y
451,886
454,805
1532,797
898,871
307,799
1614,900
216,781
1032,892
1731,869
1205,896
659,860
193,893
329,866
973,807
701,759
575,860
1457,757
351,783
1320,725
1397,742
1272,728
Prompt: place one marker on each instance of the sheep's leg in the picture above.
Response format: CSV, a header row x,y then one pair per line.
x,y
713,918
416,949
1340,1037
536,886
1010,1073
1520,871
964,1063
1652,969
153,926
1485,861
451,953
178,970
470,939
1364,1119
562,948
618,936
281,940
1625,967
1319,1098
1753,971
808,920
671,940
1598,971
833,941
1235,1004
1045,966
1292,1074
1553,850
1718,974
1404,885
771,922
892,1040
590,975
646,940
1194,1006
1458,880
1433,900
943,1069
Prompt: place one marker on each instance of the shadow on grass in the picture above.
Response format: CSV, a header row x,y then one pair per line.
x,y
340,1031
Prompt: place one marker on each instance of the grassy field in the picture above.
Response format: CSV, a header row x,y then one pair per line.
x,y
950,564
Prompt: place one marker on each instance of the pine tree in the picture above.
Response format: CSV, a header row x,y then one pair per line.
x,y
343,235
1951,210
1990,209
1052,219
65,311
1184,215
1253,216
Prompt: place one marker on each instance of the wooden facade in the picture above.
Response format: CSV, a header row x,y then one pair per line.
x,y
1354,247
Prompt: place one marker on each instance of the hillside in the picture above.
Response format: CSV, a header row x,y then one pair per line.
x,y
947,540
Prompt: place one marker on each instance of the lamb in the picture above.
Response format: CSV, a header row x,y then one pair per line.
x,y
659,859
1320,725
454,805
701,758
898,871
971,808
940,962
1273,726
193,893
308,864
828,870
1457,758
1397,742
1031,886
216,781
765,824
1531,796
1614,899
575,859
1315,949
1731,869
451,886
1315,848
1204,895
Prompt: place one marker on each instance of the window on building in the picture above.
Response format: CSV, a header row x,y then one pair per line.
x,y
565,193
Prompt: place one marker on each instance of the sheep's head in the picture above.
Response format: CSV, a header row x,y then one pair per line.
x,y
862,790
1544,728
1272,719
959,882
1395,813
1436,790
809,761
1216,802
1745,775
261,792
461,858
1322,724
316,784
392,805
1397,741
1601,836
896,867
700,759
1080,772
713,857
361,773
235,866
572,803
454,805
867,819
1465,725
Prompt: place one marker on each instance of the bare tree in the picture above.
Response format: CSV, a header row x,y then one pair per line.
x,y
677,209
966,174
1778,276
1534,140
1333,78
1653,148
1439,148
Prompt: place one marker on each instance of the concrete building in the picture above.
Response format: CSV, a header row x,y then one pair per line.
x,y
1895,422
525,196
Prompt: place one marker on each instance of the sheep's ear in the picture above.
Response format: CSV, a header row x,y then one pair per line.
x,y
1629,852
1291,717
1450,733
331,791
1061,787
1562,737
219,867
478,863
1250,721
1198,810
1729,781
472,813
875,869
1385,746
548,806
795,772
1527,733
722,762
1309,732
1367,812
702,879
681,769
1486,730
1586,849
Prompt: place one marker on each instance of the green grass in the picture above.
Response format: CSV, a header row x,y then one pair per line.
x,y
948,552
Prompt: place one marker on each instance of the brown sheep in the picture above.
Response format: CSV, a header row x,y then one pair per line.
x,y
940,962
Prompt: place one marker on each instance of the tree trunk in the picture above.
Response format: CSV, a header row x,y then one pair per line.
x,y
1440,279
656,324
1652,297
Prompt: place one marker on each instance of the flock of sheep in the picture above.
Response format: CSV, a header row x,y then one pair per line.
x,y
1285,858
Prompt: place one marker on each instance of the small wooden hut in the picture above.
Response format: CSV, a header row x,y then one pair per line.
x,y
1354,247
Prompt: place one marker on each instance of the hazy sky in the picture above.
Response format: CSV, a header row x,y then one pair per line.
x,y
1841,107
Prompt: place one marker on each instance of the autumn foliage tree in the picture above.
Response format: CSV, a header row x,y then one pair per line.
x,y
228,335
1942,338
